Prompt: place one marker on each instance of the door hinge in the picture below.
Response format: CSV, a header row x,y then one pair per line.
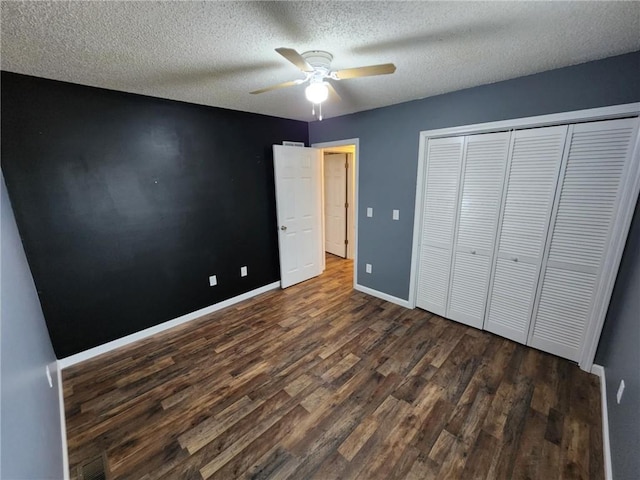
x,y
346,242
346,165
346,205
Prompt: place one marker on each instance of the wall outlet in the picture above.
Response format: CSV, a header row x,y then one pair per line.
x,y
243,271
50,380
213,281
369,212
367,267
620,391
396,215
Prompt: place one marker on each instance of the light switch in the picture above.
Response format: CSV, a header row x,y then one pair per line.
x,y
369,212
367,267
243,271
213,281
620,392
396,214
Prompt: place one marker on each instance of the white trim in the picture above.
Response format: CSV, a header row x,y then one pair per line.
x,y
417,219
591,114
606,446
63,423
383,296
351,217
148,332
356,166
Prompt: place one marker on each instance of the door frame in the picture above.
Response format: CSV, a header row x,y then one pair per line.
x,y
611,261
356,173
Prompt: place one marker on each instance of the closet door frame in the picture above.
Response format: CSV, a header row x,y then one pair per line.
x,y
630,191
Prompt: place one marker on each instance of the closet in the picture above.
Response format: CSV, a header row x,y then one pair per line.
x,y
516,228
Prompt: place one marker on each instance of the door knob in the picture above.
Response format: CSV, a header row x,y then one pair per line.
x,y
283,227
473,252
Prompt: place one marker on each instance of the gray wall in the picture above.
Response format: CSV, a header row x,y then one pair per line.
x,y
619,353
389,146
30,411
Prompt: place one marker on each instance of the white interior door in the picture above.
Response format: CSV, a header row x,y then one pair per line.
x,y
532,176
440,204
585,209
483,168
335,199
298,205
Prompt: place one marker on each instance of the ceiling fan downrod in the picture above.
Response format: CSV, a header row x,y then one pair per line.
x,y
313,110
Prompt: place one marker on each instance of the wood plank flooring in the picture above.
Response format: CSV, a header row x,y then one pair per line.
x,y
322,382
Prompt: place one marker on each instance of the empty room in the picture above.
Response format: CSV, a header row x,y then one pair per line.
x,y
320,240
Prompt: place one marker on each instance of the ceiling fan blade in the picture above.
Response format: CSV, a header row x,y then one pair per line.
x,y
292,83
295,58
332,92
369,71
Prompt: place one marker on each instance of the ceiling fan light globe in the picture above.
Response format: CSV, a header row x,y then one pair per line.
x,y
317,92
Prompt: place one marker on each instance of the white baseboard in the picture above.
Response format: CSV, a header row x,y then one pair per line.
x,y
383,296
63,426
606,446
134,337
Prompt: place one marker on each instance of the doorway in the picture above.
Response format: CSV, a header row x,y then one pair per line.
x,y
339,203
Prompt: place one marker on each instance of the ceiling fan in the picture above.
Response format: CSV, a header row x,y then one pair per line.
x,y
316,66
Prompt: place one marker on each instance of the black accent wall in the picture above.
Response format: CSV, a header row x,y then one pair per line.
x,y
126,204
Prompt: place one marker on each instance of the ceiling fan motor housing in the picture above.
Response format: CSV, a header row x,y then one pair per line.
x,y
319,60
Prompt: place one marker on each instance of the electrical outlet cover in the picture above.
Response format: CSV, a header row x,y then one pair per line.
x,y
367,267
213,281
243,271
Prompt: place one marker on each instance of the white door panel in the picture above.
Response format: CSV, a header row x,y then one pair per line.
x,y
297,178
565,302
433,279
468,292
483,174
513,293
532,176
442,172
441,194
483,168
588,196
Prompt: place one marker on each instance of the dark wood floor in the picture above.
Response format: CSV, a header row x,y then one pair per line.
x,y
320,381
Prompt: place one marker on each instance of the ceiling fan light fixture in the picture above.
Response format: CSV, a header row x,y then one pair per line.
x,y
317,92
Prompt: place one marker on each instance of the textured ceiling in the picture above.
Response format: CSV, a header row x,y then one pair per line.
x,y
214,53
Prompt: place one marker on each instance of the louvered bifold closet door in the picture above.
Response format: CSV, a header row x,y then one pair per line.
x,y
444,157
590,186
532,176
483,170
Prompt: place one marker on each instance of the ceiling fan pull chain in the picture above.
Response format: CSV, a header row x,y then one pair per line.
x,y
320,108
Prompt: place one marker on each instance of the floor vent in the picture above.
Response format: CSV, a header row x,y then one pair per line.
x,y
93,469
